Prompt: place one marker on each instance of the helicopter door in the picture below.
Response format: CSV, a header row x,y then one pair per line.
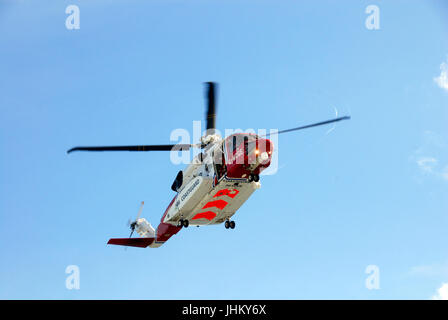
x,y
219,162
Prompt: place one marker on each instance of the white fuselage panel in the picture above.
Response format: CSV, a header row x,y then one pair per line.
x,y
202,203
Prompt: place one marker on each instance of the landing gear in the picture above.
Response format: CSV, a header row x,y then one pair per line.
x,y
183,223
229,224
253,177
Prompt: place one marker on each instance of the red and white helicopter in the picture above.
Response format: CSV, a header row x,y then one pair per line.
x,y
213,186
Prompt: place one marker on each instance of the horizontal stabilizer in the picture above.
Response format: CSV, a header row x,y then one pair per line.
x,y
132,242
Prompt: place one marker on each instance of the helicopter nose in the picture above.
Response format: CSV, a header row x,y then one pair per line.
x,y
264,151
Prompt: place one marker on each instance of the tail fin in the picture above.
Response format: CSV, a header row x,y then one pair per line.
x,y
132,242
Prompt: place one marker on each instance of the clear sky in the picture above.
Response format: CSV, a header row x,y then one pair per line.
x,y
372,191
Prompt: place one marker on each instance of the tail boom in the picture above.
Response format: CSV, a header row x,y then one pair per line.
x,y
150,237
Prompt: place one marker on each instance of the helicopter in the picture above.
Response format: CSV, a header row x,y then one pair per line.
x,y
211,189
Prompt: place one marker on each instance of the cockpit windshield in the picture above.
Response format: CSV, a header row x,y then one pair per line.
x,y
236,140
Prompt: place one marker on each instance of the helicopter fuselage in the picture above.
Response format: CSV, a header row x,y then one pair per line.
x,y
213,186
216,184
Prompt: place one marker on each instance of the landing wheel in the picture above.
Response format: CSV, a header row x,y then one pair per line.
x,y
185,223
232,224
253,177
180,223
227,224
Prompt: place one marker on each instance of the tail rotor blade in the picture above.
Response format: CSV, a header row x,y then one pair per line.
x,y
140,210
132,224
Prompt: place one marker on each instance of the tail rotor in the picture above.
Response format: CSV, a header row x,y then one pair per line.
x,y
133,224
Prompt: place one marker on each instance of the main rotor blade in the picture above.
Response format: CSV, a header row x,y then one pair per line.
x,y
211,105
163,147
310,125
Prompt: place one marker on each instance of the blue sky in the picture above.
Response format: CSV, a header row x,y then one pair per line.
x,y
373,191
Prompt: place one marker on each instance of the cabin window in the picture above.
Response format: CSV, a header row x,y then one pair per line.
x,y
234,144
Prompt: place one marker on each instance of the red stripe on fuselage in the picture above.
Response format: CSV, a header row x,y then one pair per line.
x,y
226,192
165,230
209,215
220,204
